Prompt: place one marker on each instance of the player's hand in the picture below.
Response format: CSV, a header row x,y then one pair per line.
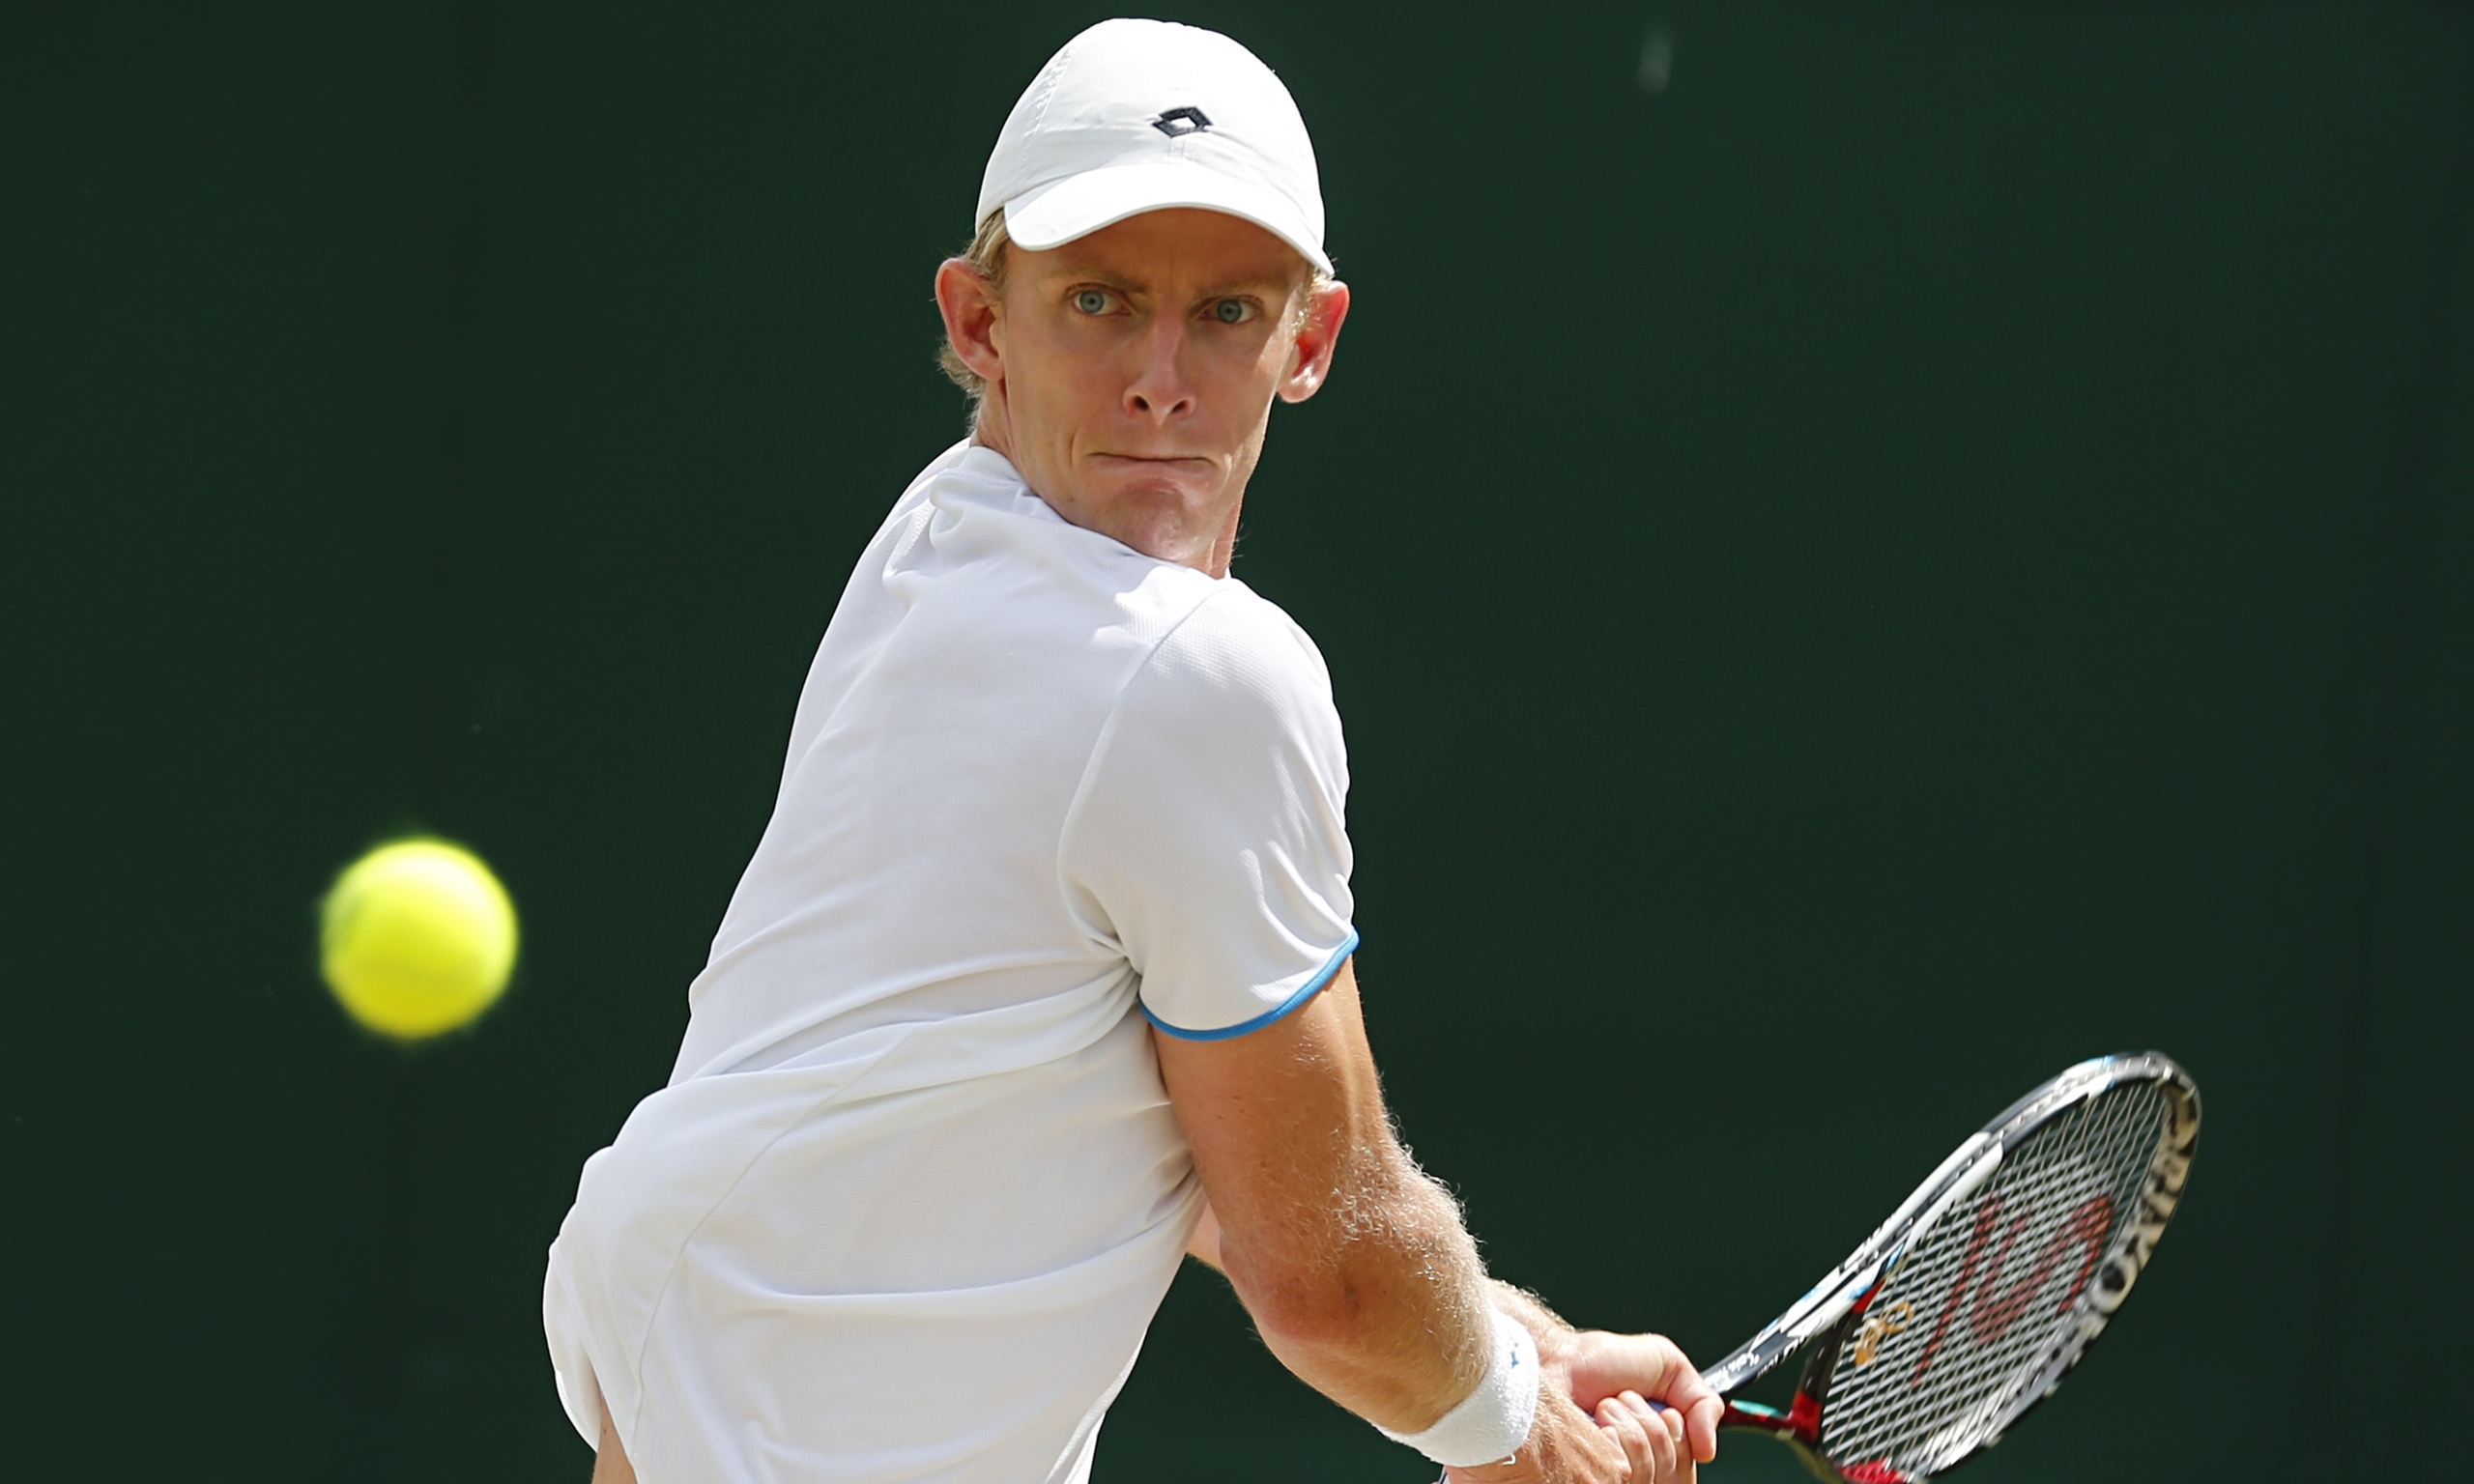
x,y
1602,1369
1652,1439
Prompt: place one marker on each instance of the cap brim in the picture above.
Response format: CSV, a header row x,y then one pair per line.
x,y
1079,205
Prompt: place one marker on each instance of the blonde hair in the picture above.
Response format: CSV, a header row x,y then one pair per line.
x,y
986,257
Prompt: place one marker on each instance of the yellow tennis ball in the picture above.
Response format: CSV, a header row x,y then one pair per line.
x,y
417,937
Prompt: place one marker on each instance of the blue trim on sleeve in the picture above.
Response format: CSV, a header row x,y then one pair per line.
x,y
1311,987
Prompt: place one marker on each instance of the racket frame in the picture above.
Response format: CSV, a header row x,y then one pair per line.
x,y
1832,1308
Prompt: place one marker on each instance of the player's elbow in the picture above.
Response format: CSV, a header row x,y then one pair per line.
x,y
1314,1304
1356,1290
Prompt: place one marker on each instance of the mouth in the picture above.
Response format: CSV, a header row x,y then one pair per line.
x,y
1162,463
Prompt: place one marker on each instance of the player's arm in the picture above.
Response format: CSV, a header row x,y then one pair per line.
x,y
1358,1271
1375,1297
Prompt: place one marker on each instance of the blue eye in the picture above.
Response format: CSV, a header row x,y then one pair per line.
x,y
1091,301
1232,311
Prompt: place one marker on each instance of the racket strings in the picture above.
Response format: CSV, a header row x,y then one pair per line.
x,y
1983,1301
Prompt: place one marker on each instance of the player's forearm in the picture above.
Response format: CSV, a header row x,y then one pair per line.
x,y
1550,1329
1391,1318
1342,1370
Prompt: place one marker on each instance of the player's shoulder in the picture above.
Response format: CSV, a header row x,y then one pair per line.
x,y
1236,647
1229,616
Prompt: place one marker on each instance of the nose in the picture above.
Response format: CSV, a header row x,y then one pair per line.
x,y
1158,392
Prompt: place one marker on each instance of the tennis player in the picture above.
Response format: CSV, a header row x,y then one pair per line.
x,y
1040,977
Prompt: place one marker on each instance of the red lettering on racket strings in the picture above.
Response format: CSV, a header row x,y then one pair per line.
x,y
1998,1309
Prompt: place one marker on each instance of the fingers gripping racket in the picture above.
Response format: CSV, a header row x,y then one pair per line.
x,y
1974,1299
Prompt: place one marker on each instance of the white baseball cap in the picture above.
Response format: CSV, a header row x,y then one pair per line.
x,y
1136,116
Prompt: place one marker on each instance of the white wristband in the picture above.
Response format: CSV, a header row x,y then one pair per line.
x,y
1491,1424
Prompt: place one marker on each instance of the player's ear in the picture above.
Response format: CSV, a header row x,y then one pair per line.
x,y
970,305
1319,334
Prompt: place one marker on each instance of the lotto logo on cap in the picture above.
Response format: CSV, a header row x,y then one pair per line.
x,y
1136,116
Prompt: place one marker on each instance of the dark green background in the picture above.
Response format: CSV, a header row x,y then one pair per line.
x,y
1934,546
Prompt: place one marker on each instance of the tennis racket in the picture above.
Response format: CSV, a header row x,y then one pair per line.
x,y
1980,1293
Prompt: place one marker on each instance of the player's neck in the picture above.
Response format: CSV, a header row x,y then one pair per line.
x,y
991,430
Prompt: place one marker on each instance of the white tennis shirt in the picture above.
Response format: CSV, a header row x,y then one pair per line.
x,y
915,1191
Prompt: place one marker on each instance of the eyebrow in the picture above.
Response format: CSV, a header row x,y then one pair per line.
x,y
1228,289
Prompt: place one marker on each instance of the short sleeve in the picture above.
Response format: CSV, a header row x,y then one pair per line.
x,y
1208,842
